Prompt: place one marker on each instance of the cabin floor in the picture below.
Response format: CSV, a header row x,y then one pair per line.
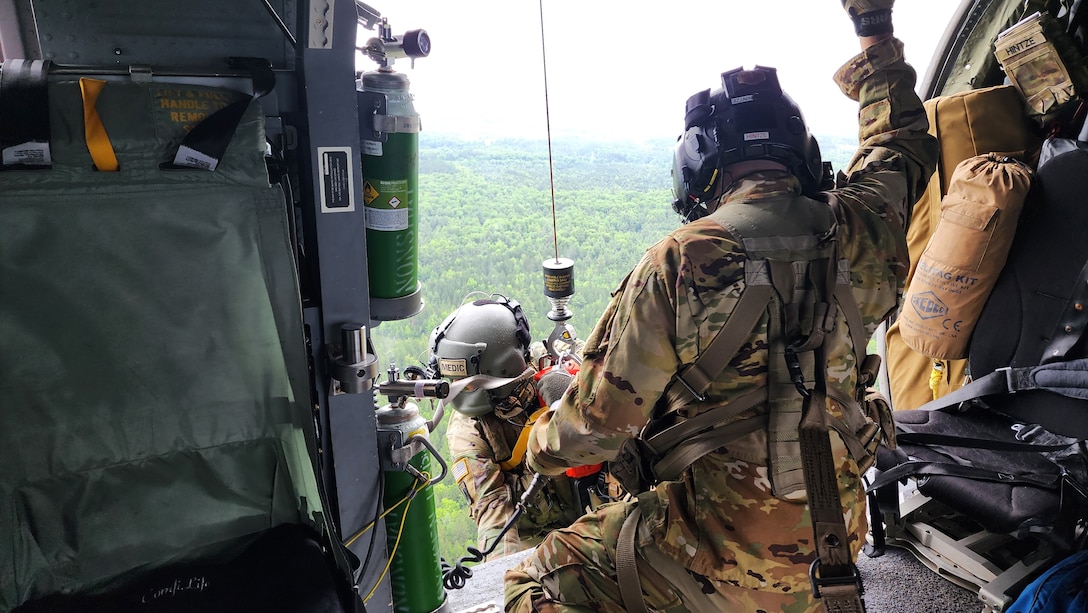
x,y
894,583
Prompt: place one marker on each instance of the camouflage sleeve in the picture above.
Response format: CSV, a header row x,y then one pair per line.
x,y
890,170
625,368
483,484
896,155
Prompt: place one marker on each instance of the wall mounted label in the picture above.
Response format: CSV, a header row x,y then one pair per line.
x,y
386,204
29,153
337,177
374,148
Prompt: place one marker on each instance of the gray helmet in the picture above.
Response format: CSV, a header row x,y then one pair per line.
x,y
488,337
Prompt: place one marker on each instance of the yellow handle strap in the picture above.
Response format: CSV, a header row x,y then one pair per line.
x,y
522,445
936,377
98,142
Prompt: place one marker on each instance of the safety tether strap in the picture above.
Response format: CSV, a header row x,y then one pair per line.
x,y
626,567
522,444
24,109
833,575
849,307
98,142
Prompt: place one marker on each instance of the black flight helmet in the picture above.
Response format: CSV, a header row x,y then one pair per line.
x,y
749,118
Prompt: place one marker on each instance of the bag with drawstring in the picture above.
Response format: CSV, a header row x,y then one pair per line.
x,y
965,255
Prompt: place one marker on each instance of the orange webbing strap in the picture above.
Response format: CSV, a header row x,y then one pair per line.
x,y
98,142
522,445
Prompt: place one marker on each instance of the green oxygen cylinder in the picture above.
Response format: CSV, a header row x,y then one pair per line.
x,y
412,527
390,175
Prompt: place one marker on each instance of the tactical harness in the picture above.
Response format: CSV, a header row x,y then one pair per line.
x,y
794,276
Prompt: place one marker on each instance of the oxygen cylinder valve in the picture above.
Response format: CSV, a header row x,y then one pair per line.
x,y
387,47
399,390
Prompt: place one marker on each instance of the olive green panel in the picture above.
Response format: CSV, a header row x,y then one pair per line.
x,y
193,33
154,401
969,61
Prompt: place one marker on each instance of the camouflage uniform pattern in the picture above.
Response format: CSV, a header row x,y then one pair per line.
x,y
478,446
719,525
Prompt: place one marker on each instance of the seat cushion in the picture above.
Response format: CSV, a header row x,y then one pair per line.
x,y
284,570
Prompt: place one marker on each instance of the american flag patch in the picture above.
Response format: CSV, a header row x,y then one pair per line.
x,y
460,470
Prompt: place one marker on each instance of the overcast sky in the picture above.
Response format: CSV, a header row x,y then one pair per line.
x,y
623,68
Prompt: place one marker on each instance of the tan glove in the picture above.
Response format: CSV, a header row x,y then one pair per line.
x,y
870,17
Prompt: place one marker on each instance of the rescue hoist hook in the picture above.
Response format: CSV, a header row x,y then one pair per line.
x,y
558,272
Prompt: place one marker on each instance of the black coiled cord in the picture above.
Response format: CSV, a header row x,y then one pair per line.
x,y
454,577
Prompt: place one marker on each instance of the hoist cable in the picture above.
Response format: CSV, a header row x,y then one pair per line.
x,y
548,122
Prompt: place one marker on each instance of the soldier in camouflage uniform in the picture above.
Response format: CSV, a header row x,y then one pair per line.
x,y
716,538
491,337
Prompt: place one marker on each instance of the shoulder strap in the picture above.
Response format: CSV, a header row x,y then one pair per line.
x,y
626,569
522,444
696,378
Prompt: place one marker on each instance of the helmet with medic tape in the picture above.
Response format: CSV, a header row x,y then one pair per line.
x,y
483,337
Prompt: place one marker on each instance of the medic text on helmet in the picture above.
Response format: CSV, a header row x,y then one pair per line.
x,y
449,367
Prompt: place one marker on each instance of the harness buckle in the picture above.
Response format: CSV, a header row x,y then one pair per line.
x,y
793,365
817,582
699,397
1010,380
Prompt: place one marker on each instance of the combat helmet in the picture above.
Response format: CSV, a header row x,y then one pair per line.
x,y
749,118
485,337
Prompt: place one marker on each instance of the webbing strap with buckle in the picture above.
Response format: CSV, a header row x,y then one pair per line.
x,y
922,468
833,575
205,145
1065,378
